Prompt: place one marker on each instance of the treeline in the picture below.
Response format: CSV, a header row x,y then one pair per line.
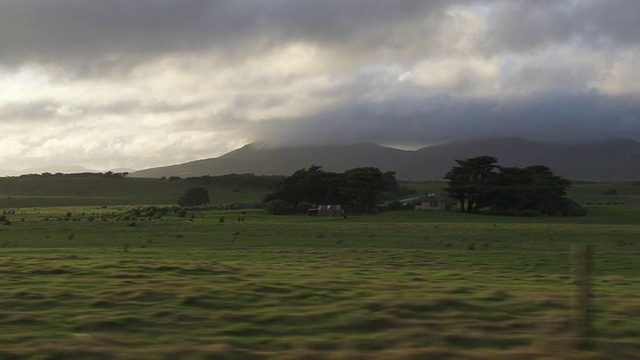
x,y
480,185
359,189
268,182
94,175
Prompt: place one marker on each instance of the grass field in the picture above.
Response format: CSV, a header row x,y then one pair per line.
x,y
29,192
79,284
25,192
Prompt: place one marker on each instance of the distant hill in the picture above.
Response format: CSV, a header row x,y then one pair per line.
x,y
53,169
596,161
65,169
122,170
5,172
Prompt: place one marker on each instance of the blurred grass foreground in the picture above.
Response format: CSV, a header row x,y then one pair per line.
x,y
109,282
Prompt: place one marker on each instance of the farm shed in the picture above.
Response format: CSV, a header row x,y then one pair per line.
x,y
326,210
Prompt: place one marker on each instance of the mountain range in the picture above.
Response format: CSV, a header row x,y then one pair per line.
x,y
610,160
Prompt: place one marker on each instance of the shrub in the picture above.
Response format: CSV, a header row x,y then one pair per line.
x,y
611,191
568,207
395,205
277,207
194,197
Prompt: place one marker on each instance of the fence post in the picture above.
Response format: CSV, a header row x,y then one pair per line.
x,y
582,259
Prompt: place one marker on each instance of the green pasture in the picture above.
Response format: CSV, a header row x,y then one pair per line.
x,y
86,283
29,192
26,192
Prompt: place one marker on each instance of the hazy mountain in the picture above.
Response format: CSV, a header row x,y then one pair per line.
x,y
604,160
598,161
65,169
53,169
123,170
5,172
261,160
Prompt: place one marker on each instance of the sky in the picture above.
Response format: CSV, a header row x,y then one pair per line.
x,y
144,83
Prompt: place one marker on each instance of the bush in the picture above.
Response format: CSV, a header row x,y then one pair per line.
x,y
194,197
395,205
277,207
568,207
611,191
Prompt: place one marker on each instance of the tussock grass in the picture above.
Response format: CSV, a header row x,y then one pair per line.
x,y
280,291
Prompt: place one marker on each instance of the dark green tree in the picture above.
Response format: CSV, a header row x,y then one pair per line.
x,y
358,188
469,181
533,190
277,207
362,186
546,190
194,197
509,191
312,185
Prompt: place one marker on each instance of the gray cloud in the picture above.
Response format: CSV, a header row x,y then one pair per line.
x,y
551,116
614,21
518,26
149,82
31,111
91,36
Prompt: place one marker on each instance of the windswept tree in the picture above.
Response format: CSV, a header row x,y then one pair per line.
x,y
358,188
480,183
311,185
468,182
361,186
542,190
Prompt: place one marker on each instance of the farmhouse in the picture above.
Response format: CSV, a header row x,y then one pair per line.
x,y
430,202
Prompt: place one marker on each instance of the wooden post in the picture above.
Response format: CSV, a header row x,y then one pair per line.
x,y
582,256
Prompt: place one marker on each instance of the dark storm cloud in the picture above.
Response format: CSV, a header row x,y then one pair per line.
x,y
615,21
553,116
516,25
521,25
119,32
97,35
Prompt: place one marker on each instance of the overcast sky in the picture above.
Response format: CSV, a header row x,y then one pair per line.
x,y
143,83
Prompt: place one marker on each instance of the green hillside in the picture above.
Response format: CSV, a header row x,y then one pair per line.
x,y
16,192
93,190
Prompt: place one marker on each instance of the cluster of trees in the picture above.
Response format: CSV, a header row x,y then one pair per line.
x,y
359,189
106,175
480,184
237,181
